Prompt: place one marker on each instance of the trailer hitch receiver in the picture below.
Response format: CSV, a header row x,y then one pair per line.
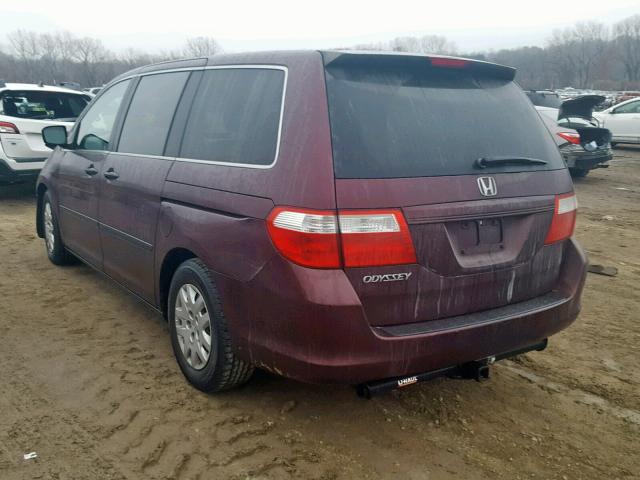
x,y
476,370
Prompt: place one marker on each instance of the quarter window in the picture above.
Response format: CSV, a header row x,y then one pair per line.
x,y
235,117
96,126
150,114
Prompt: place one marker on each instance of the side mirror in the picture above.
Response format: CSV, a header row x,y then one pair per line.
x,y
54,135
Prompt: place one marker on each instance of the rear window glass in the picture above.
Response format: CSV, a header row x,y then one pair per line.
x,y
544,99
235,117
42,105
397,118
150,114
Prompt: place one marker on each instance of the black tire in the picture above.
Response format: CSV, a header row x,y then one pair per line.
x,y
578,172
56,252
222,370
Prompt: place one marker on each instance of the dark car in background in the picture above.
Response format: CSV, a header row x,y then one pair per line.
x,y
333,217
584,145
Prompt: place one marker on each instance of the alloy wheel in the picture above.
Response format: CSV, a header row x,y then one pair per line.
x,y
49,237
193,326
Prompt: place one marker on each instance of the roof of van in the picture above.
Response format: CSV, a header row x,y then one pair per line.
x,y
280,56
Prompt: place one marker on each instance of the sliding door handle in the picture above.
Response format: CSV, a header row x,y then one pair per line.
x,y
111,174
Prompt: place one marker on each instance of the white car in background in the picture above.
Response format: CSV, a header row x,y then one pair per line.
x,y
623,120
25,109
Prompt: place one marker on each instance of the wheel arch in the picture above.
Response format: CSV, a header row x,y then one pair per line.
x,y
172,260
40,191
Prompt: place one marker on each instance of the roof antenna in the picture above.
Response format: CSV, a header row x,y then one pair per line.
x,y
41,83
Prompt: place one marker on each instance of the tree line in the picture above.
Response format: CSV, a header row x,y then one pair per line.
x,y
32,57
585,55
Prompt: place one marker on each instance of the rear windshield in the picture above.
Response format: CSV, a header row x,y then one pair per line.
x,y
41,105
399,118
544,99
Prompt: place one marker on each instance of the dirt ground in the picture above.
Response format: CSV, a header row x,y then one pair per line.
x,y
89,382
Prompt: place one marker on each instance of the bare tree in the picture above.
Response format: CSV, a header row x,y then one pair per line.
x,y
90,53
531,63
583,56
437,44
201,47
627,41
55,53
24,43
575,51
25,46
426,44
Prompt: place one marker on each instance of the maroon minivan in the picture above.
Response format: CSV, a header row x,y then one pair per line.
x,y
333,217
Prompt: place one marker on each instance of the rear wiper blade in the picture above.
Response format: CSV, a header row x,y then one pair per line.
x,y
484,162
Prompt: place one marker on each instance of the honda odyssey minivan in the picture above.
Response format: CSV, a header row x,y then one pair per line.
x,y
333,217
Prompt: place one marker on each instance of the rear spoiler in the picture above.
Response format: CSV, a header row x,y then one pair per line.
x,y
410,60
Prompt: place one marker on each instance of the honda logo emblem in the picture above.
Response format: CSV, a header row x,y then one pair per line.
x,y
487,186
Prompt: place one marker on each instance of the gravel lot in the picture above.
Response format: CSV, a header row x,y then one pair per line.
x,y
89,382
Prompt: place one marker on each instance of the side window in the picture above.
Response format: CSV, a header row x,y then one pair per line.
x,y
151,112
633,107
97,125
235,116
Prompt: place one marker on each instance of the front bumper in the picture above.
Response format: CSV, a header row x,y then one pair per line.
x,y
309,325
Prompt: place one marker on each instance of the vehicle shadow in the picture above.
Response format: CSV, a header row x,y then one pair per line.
x,y
18,191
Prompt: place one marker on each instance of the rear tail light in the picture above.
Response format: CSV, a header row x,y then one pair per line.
x,y
564,218
359,238
375,237
306,237
7,127
570,137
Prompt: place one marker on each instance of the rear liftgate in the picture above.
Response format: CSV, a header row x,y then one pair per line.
x,y
477,370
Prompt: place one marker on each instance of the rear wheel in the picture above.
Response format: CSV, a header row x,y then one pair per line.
x,y
578,172
199,331
56,251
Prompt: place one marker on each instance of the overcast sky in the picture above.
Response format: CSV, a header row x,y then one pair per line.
x,y
260,25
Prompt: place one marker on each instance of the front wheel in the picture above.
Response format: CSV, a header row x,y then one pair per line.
x,y
56,251
199,331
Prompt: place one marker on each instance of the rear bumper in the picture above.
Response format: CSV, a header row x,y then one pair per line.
x,y
12,171
311,326
9,175
578,158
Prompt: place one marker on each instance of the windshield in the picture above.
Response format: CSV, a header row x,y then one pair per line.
x,y
42,105
391,120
